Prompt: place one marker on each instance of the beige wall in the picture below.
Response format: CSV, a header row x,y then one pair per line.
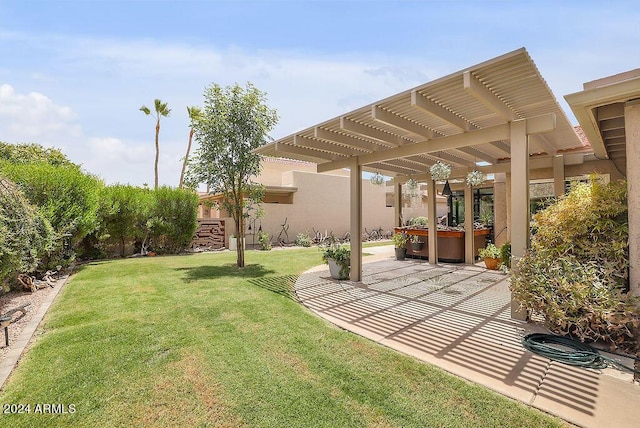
x,y
322,203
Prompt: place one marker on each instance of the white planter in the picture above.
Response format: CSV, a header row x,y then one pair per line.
x,y
334,270
233,244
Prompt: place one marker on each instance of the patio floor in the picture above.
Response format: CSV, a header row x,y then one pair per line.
x,y
457,317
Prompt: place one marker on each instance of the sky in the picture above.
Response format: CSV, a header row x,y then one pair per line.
x,y
74,73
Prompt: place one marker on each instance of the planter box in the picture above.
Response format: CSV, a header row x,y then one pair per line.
x,y
451,243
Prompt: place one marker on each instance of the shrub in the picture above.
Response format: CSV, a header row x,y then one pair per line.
x,y
400,240
418,221
490,251
575,274
25,235
505,255
264,239
303,240
173,218
66,196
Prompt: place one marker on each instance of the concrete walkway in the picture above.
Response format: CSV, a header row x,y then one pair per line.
x,y
457,317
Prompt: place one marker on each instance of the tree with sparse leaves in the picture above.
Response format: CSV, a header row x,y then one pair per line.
x,y
194,113
234,122
161,109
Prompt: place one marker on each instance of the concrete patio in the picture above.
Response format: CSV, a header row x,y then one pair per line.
x,y
457,317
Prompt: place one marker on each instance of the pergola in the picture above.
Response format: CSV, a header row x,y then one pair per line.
x,y
498,117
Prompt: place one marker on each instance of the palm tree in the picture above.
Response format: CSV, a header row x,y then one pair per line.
x,y
160,110
194,113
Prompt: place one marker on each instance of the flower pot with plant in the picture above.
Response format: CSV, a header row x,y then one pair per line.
x,y
339,260
416,243
400,244
491,256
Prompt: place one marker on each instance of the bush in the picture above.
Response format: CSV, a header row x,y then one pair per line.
x,y
264,239
303,240
66,196
173,218
575,274
25,235
418,221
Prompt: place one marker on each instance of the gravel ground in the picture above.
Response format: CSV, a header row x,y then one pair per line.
x,y
14,299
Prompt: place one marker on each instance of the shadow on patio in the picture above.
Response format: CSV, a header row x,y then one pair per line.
x,y
457,317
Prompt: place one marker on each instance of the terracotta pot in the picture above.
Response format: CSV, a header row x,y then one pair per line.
x,y
491,263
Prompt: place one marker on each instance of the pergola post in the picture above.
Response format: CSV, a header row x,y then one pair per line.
x,y
632,127
355,202
520,211
500,234
558,175
469,257
397,206
433,222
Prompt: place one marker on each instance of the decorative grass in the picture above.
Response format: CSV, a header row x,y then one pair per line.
x,y
195,341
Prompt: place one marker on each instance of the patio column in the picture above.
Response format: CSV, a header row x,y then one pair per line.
x,y
519,199
558,175
500,208
632,129
433,222
469,257
355,201
397,206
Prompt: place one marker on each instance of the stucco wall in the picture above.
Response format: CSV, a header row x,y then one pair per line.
x,y
322,203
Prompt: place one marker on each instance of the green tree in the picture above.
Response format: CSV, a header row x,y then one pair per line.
x,y
194,113
234,122
161,109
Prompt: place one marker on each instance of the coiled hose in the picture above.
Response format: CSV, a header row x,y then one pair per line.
x,y
581,354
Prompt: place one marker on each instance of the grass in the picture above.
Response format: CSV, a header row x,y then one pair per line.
x,y
195,341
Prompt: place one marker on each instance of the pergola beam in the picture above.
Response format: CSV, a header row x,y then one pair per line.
x,y
384,116
370,132
347,140
480,92
423,103
302,141
478,154
313,155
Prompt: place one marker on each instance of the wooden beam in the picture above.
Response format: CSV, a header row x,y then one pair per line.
x,y
301,141
347,140
478,154
391,119
423,103
480,92
303,151
448,158
502,146
542,141
541,124
383,137
392,167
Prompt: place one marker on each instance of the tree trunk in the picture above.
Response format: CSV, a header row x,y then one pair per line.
x,y
186,158
240,230
155,183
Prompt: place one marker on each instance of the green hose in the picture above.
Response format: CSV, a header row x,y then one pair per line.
x,y
582,355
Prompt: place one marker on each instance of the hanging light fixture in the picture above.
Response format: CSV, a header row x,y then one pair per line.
x,y
475,178
377,179
447,189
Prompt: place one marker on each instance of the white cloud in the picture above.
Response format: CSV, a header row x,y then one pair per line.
x,y
34,117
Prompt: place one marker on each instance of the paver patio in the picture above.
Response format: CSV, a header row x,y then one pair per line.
x,y
457,317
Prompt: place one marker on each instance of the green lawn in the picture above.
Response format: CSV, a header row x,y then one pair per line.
x,y
191,341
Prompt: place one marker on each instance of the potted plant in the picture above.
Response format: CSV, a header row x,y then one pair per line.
x,y
339,260
400,244
491,256
416,243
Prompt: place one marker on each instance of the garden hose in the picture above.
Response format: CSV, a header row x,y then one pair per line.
x,y
581,354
